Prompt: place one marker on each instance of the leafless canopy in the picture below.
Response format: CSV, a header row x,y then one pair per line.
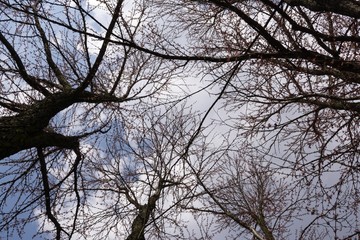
x,y
105,131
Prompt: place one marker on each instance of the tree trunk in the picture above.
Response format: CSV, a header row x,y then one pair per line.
x,y
27,129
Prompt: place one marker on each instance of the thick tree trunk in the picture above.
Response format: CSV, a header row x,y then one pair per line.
x,y
343,7
139,223
28,128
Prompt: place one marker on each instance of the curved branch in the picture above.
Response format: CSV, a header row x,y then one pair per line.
x,y
345,7
46,186
103,48
49,58
28,79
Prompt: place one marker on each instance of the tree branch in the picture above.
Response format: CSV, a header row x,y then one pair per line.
x,y
343,7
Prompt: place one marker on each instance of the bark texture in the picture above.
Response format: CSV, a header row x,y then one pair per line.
x,y
349,8
28,128
143,216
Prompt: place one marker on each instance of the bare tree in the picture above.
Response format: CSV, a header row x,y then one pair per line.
x,y
139,184
245,196
62,82
295,94
78,76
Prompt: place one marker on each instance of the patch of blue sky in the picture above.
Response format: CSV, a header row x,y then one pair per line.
x,y
20,195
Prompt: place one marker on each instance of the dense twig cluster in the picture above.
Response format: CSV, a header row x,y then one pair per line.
x,y
99,136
